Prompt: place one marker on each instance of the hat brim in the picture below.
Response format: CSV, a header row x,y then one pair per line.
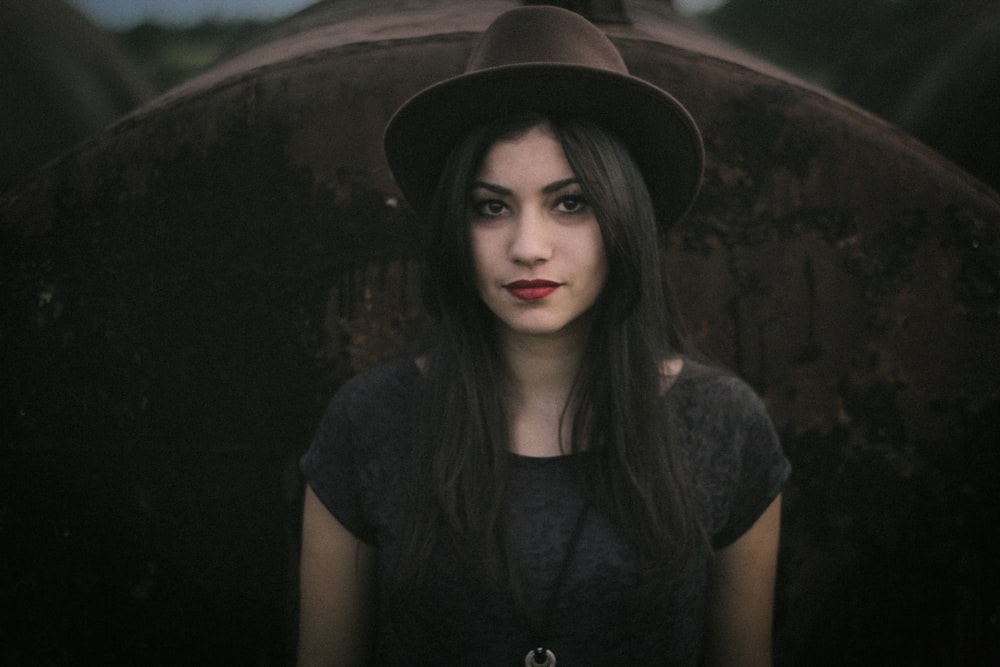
x,y
658,131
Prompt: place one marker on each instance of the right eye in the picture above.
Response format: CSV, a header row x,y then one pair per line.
x,y
488,208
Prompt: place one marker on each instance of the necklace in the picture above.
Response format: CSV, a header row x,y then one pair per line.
x,y
539,656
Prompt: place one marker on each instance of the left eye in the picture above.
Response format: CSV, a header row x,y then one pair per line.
x,y
572,204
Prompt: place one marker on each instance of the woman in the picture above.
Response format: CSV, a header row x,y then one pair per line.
x,y
555,479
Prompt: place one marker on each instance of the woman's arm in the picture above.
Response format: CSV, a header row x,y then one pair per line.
x,y
336,591
741,596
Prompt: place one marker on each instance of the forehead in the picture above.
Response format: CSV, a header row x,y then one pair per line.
x,y
532,154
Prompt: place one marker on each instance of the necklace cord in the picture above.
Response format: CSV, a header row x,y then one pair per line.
x,y
557,583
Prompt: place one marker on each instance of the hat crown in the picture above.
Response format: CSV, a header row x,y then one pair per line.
x,y
549,61
544,35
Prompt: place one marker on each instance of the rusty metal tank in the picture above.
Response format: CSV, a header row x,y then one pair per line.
x,y
183,293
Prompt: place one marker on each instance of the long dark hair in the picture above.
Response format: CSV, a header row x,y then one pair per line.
x,y
632,473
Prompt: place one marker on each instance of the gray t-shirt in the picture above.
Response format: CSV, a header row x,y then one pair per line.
x,y
356,466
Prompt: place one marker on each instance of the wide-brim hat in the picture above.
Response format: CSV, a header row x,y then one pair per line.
x,y
554,62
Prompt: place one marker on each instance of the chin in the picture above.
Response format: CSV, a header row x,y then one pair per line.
x,y
542,329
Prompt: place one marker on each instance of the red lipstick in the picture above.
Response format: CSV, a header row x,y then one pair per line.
x,y
531,290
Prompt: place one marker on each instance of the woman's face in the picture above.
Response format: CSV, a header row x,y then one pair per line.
x,y
537,248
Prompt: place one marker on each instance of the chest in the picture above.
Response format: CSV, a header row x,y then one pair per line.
x,y
575,588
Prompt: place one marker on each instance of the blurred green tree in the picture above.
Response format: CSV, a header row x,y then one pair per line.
x,y
172,54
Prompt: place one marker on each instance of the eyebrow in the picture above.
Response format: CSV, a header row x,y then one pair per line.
x,y
548,189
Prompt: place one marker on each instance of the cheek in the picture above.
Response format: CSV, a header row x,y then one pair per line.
x,y
599,262
479,256
602,271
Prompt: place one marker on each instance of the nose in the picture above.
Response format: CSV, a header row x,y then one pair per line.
x,y
531,242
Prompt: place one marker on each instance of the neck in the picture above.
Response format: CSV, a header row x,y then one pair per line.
x,y
542,371
541,365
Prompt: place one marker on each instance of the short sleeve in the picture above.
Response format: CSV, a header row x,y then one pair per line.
x,y
332,469
357,445
737,463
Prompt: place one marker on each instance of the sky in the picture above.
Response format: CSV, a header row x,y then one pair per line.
x,y
127,13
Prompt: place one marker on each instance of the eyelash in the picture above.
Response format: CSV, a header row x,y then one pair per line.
x,y
480,206
579,199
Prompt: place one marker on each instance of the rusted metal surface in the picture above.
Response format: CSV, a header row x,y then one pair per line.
x,y
182,295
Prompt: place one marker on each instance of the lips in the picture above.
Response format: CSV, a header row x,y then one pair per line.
x,y
531,290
